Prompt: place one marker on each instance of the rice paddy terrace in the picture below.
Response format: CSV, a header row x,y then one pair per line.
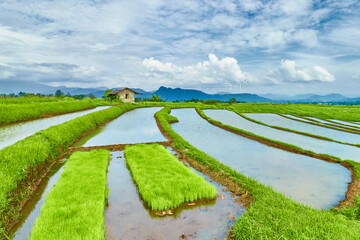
x,y
182,171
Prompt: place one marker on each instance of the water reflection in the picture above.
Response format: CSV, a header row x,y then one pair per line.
x,y
308,143
137,126
307,180
276,120
127,217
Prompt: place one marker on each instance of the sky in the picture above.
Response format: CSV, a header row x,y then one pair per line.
x,y
277,46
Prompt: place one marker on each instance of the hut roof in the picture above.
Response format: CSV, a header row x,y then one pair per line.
x,y
122,89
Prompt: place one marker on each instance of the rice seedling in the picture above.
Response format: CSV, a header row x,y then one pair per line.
x,y
163,181
11,112
74,208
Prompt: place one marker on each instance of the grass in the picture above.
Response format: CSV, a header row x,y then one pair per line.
x,y
29,156
11,112
272,215
163,181
74,208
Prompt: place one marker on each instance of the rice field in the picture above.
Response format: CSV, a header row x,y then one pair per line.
x,y
291,188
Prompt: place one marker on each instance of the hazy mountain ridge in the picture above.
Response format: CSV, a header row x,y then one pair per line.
x,y
173,94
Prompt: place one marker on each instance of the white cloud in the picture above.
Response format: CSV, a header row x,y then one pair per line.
x,y
288,72
215,72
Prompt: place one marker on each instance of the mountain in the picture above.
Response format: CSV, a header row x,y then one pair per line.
x,y
173,94
309,98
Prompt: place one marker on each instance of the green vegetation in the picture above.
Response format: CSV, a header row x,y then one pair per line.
x,y
24,157
346,113
11,112
74,208
163,181
272,215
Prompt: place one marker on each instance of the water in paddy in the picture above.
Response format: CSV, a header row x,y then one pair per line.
x,y
277,120
126,217
346,124
12,133
136,126
332,124
307,180
32,208
307,143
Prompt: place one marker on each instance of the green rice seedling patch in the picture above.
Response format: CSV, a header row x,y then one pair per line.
x,y
74,209
163,181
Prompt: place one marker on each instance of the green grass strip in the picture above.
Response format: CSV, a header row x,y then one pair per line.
x,y
74,208
163,181
11,112
272,215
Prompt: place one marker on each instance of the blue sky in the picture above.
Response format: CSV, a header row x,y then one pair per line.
x,y
278,46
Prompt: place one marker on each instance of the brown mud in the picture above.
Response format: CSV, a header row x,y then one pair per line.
x,y
353,187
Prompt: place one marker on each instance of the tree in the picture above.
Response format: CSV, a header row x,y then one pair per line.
x,y
58,93
91,96
155,98
109,97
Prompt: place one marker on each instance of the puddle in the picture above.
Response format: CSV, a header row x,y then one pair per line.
x,y
136,126
308,143
307,180
277,120
13,133
127,217
32,208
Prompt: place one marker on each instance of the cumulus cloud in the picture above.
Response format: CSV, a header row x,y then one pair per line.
x,y
225,71
288,72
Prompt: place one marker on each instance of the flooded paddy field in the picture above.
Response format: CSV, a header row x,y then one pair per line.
x,y
277,120
136,126
333,123
342,151
307,180
10,134
127,217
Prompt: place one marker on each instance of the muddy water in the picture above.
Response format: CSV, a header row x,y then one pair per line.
x,y
127,218
32,208
13,133
277,120
137,126
307,180
307,143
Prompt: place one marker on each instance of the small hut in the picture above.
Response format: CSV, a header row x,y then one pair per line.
x,y
124,94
